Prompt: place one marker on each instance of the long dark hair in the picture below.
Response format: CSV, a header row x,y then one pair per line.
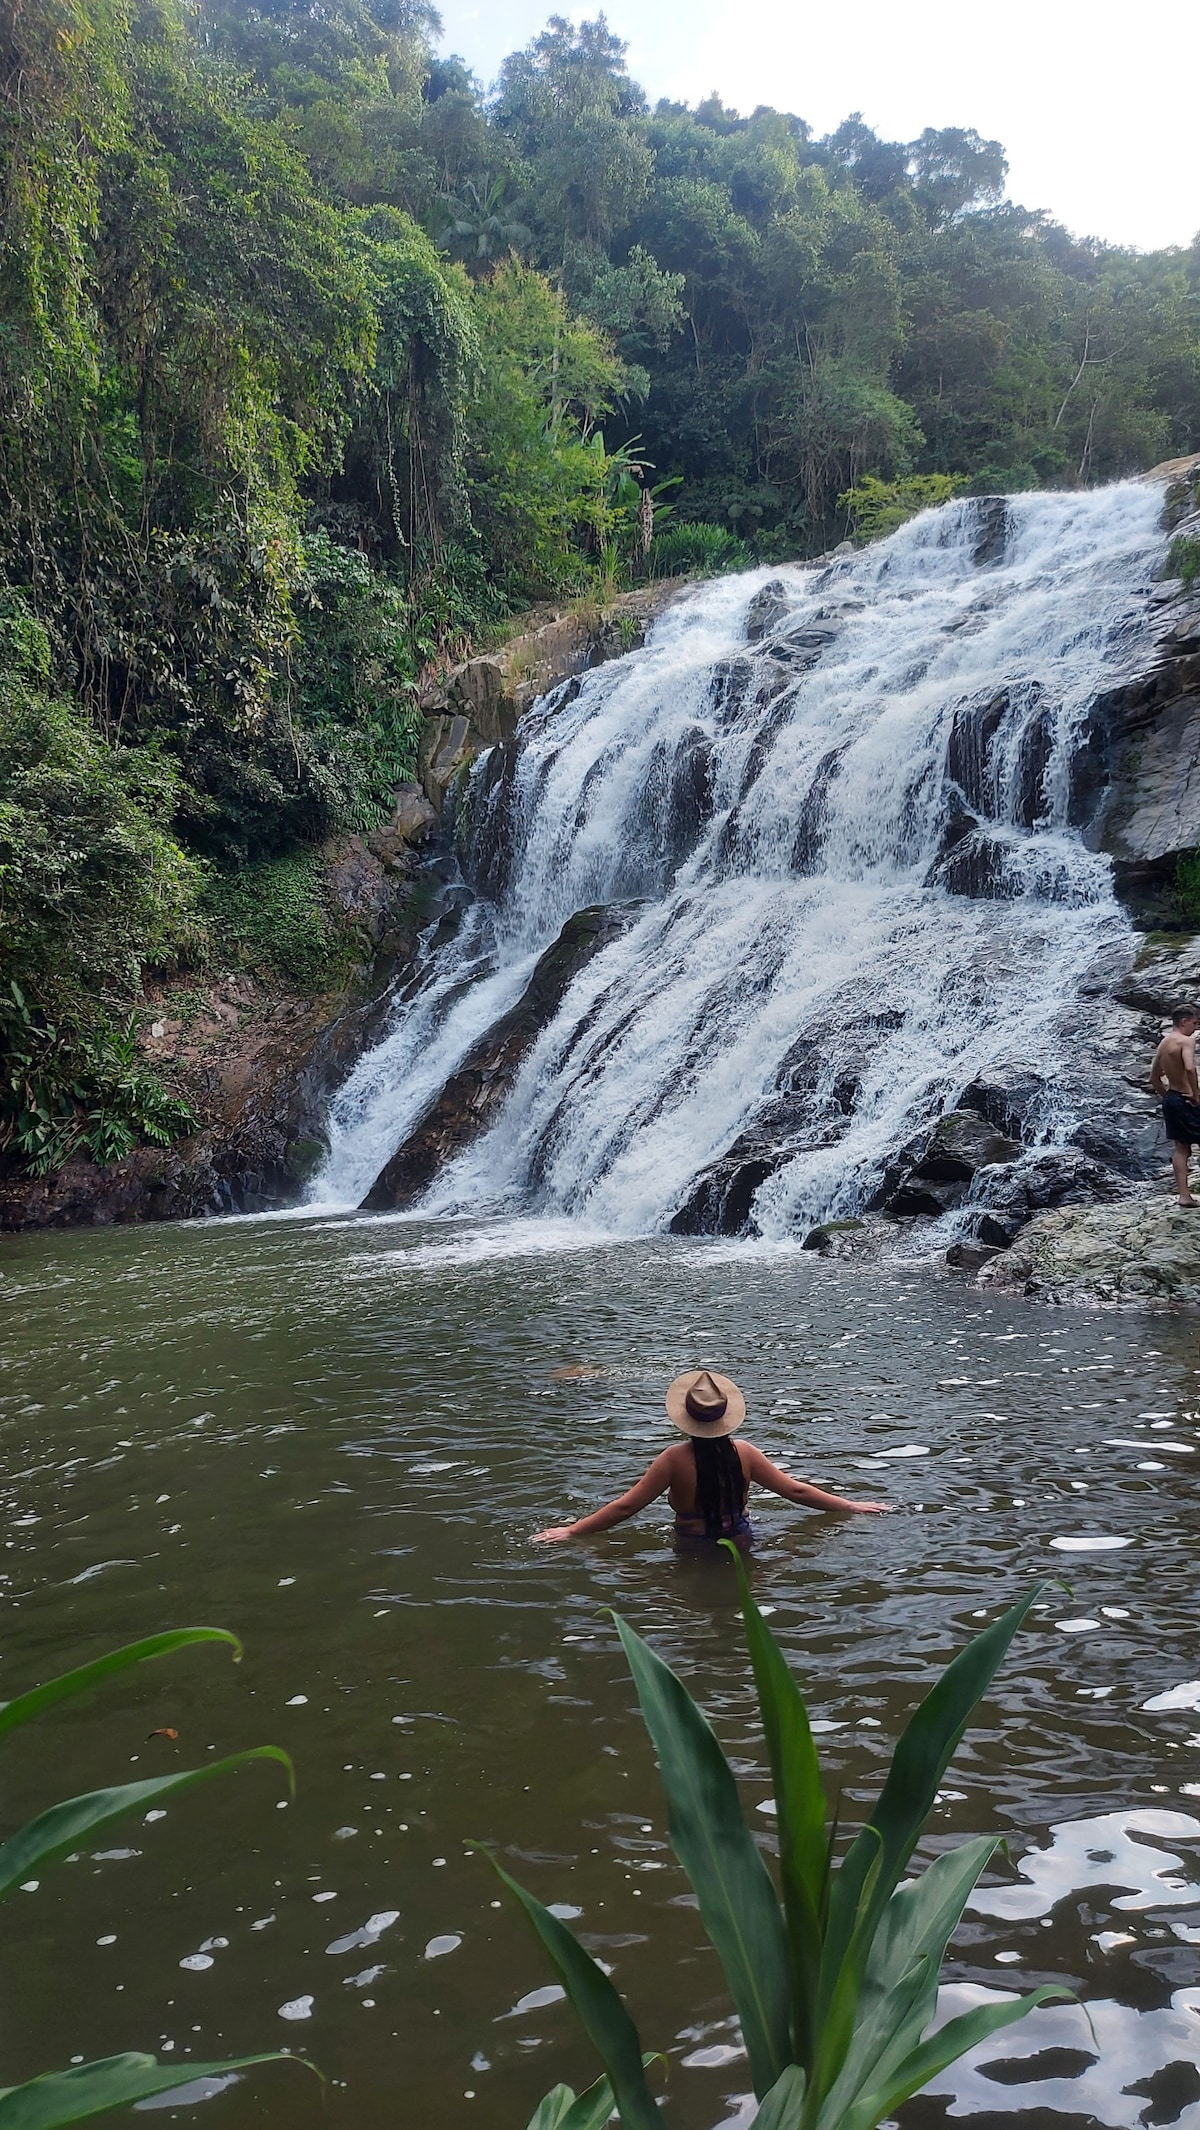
x,y
720,1484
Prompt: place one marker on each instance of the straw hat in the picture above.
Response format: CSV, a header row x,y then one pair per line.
x,y
703,1403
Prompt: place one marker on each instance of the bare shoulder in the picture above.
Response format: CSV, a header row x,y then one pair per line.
x,y
752,1457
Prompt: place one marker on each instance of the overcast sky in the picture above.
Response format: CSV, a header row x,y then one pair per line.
x,y
1095,104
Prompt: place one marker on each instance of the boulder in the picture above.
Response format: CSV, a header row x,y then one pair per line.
x,y
1143,1251
447,747
767,609
472,1097
991,521
825,1239
1008,1196
960,1144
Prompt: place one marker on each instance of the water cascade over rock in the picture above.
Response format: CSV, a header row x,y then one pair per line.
x,y
830,829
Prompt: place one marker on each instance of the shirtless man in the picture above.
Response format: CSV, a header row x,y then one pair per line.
x,y
1173,1076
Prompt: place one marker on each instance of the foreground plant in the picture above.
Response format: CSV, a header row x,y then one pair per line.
x,y
836,1985
59,2097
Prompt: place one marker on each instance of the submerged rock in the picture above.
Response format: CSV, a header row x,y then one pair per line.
x,y
472,1096
1143,1251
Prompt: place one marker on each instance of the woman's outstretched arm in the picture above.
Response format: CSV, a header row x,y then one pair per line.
x,y
653,1482
765,1474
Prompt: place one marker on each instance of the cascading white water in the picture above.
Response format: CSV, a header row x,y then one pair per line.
x,y
853,844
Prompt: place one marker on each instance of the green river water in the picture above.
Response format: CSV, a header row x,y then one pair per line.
x,y
336,1437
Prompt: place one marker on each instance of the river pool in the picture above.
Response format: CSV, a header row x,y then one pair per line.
x,y
336,1437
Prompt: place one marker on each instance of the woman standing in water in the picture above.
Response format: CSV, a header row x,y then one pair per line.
x,y
708,1478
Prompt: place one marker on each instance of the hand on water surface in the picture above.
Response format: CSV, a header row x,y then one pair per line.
x,y
870,1508
554,1535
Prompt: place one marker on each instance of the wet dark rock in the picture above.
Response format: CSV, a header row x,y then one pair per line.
x,y
1029,800
1009,1196
972,1256
958,822
938,1179
961,1142
688,802
992,523
968,752
810,826
1009,1096
721,1196
730,687
767,609
472,1096
976,866
824,1239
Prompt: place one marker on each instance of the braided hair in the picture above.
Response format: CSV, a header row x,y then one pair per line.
x,y
720,1483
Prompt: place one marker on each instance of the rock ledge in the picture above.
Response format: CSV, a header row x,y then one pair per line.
x,y
1144,1250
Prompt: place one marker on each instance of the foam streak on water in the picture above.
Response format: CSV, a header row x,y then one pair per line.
x,y
783,815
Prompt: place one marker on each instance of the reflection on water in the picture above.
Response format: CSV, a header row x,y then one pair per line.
x,y
337,1437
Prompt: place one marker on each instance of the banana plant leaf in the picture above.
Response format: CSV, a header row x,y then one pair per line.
x,y
783,2107
564,2110
609,2027
936,2054
906,1800
56,1832
800,1809
26,1706
59,2097
737,1897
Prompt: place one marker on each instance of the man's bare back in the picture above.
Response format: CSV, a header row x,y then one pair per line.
x,y
1173,1077
1174,1066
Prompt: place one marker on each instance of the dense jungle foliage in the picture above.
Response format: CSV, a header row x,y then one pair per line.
x,y
316,361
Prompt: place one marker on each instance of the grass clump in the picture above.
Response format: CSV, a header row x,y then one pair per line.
x,y
1183,558
275,918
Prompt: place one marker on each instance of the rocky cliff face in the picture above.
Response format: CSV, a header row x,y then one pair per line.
x,y
258,1066
1144,757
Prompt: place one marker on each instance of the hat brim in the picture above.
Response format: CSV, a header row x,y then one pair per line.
x,y
731,1418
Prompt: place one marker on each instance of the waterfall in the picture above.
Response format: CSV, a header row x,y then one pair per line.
x,y
841,807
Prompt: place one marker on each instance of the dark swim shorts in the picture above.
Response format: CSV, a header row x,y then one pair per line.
x,y
1181,1119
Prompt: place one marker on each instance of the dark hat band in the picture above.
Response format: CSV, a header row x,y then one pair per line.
x,y
709,1409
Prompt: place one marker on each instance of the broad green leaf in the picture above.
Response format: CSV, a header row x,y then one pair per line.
x,y
889,2025
783,2106
550,2111
943,2048
800,1812
837,2017
26,1706
562,2110
111,2082
607,2023
737,1899
909,1938
56,1832
918,1764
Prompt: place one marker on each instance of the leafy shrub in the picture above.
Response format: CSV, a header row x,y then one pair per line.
x,y
1186,887
696,550
65,1092
836,1987
876,508
1183,558
93,885
87,2089
275,916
